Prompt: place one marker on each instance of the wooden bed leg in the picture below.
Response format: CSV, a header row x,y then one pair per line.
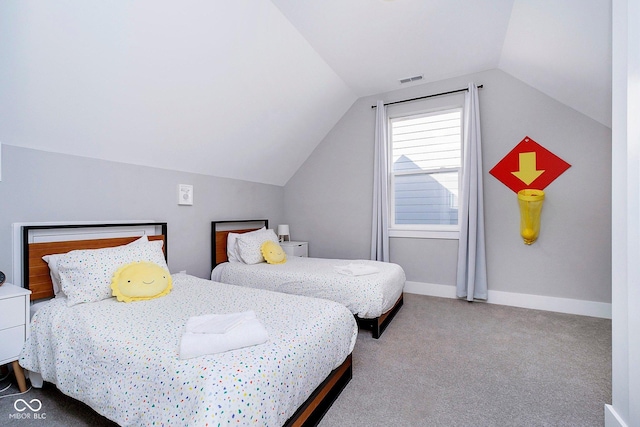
x,y
17,370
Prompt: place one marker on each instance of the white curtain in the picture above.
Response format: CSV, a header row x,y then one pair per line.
x,y
472,264
380,222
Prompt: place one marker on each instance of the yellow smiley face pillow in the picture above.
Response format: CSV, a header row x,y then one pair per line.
x,y
273,252
139,281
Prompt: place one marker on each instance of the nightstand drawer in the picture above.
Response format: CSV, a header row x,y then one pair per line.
x,y
12,340
295,248
12,310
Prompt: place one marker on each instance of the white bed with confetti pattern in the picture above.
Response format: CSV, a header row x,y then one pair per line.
x,y
123,359
366,296
373,294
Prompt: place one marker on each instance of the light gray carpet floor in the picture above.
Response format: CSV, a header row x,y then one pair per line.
x,y
444,362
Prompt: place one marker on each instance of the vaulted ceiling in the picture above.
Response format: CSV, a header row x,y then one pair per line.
x,y
247,89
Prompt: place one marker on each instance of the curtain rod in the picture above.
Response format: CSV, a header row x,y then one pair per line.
x,y
428,96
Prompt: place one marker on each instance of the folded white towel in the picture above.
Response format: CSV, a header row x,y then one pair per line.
x,y
217,323
249,332
356,269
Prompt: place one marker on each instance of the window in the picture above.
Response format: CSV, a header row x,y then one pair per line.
x,y
426,161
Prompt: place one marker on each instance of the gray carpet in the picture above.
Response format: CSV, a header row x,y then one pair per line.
x,y
445,362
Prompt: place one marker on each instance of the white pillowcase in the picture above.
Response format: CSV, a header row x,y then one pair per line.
x,y
249,245
52,261
86,275
232,248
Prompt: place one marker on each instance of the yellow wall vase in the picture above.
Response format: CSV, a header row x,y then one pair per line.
x,y
530,202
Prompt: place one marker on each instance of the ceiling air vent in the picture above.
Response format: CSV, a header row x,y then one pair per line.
x,y
411,79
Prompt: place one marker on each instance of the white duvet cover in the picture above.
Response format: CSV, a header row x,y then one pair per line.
x,y
367,296
122,358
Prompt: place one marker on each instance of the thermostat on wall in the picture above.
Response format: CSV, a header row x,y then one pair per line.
x,y
185,194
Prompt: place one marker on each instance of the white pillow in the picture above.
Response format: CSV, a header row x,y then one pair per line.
x,y
232,248
86,275
52,261
249,245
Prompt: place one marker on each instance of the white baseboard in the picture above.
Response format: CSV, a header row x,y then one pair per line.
x,y
536,302
430,289
611,417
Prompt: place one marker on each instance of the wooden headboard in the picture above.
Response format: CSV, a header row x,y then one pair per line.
x,y
221,229
36,275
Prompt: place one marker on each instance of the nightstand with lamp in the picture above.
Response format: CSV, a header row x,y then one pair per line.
x,y
290,247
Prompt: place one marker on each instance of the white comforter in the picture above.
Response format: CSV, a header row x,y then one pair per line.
x,y
367,296
122,358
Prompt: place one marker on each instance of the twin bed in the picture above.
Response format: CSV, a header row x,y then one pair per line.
x,y
371,290
123,359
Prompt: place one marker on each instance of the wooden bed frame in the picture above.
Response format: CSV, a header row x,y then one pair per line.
x,y
36,275
36,278
219,255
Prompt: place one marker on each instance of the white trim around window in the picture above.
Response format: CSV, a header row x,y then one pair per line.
x,y
451,233
424,160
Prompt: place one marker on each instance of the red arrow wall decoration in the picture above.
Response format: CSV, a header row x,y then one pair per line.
x,y
529,165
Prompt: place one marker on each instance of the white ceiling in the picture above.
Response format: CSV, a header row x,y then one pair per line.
x,y
247,89
371,44
562,48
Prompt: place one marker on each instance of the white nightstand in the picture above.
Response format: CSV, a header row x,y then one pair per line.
x,y
295,248
14,327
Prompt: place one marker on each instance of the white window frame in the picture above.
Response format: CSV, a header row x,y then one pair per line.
x,y
424,231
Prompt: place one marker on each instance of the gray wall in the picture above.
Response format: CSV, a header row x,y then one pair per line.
x,y
44,186
328,201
